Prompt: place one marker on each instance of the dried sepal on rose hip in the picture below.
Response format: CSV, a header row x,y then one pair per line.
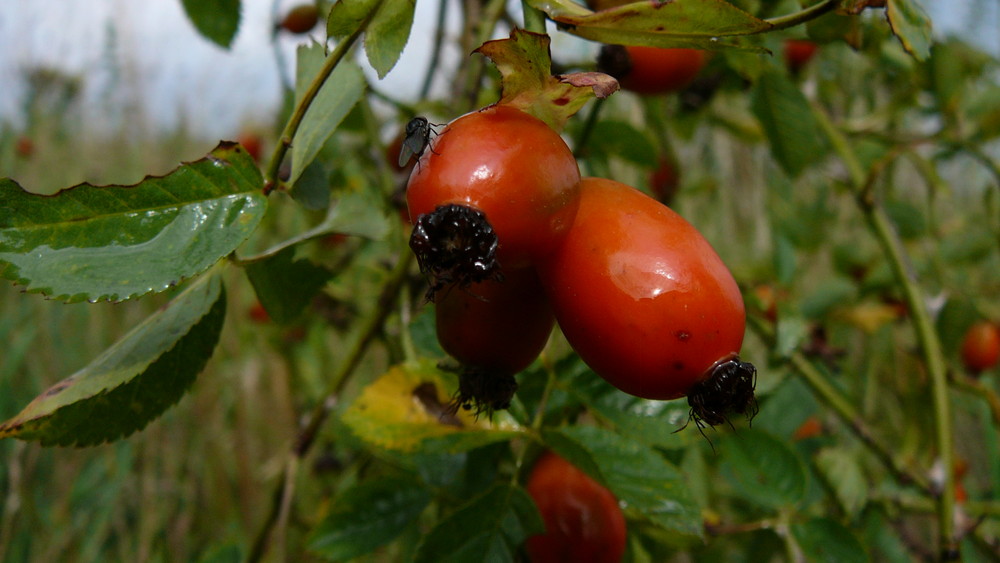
x,y
647,303
455,246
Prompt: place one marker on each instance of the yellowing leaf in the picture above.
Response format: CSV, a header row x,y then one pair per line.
x,y
407,408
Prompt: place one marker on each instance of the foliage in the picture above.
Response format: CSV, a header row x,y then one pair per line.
x,y
861,191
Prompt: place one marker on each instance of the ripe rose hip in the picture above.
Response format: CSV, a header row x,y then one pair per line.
x,y
510,166
647,303
651,70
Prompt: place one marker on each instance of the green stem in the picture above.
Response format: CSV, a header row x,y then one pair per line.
x,y
807,14
285,142
534,20
841,405
930,345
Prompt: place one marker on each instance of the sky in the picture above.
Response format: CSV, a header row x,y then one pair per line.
x,y
145,59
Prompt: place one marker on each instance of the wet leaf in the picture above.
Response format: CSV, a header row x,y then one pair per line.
x,y
114,243
134,380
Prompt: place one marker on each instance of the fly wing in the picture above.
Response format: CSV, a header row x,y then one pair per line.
x,y
413,145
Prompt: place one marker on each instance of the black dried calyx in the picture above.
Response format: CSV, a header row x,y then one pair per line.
x,y
455,245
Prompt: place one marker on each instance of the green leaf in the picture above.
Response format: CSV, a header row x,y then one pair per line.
x,y
346,16
911,25
312,189
406,410
388,33
832,292
368,516
791,332
637,475
823,540
342,89
785,259
840,469
490,528
133,381
698,24
763,469
621,139
215,20
286,286
650,422
791,128
118,242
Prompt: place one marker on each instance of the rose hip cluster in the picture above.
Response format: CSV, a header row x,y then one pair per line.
x,y
513,240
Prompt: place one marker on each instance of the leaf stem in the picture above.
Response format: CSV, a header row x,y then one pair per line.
x,y
534,19
802,16
292,126
929,344
369,327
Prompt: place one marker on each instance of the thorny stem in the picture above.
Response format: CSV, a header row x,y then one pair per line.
x,y
930,345
292,126
802,16
369,328
842,406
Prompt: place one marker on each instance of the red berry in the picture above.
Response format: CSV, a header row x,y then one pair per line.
x,y
583,521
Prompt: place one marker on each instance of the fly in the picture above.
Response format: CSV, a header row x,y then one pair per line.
x,y
418,137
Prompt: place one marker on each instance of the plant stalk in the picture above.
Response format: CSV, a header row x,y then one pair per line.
x,y
929,344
